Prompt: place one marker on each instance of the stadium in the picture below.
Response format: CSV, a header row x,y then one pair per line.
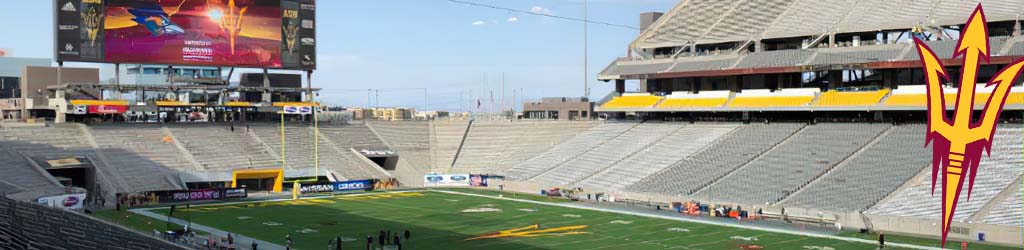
x,y
772,124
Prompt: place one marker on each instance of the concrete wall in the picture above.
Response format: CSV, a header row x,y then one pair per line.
x,y
563,106
34,79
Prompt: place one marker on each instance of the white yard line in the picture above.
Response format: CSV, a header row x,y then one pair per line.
x,y
676,218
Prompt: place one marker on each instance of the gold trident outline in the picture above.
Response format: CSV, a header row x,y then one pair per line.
x,y
232,24
960,142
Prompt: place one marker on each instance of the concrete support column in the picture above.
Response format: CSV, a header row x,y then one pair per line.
x,y
733,83
61,108
117,81
266,87
889,79
835,79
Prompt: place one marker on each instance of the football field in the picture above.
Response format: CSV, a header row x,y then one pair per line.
x,y
448,220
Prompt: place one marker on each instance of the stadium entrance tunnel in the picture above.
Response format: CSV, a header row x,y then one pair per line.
x,y
382,157
70,171
259,179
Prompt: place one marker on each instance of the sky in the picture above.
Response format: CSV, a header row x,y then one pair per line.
x,y
428,54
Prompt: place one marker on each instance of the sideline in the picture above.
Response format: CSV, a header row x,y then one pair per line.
x,y
684,219
241,241
267,245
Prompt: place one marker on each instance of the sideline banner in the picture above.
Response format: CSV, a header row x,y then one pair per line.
x,y
198,194
446,180
68,201
341,186
478,180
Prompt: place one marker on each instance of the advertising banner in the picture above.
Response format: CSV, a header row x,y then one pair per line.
x,y
477,180
342,186
446,180
198,194
317,188
298,110
254,33
353,185
107,109
68,201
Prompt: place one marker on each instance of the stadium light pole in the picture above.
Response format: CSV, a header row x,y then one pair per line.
x,y
283,158
586,84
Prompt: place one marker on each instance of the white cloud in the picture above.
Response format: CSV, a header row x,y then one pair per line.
x,y
478,23
541,10
513,19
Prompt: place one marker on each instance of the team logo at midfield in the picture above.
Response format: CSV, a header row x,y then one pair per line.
x,y
532,231
957,143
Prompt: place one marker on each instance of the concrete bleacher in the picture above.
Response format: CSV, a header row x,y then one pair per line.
x,y
685,99
996,173
42,141
705,14
775,58
673,148
607,153
725,155
944,49
799,160
141,156
532,141
858,54
445,139
764,98
642,67
59,142
809,17
492,147
20,181
747,19
1008,211
568,150
410,139
29,226
869,176
702,63
352,136
632,100
216,147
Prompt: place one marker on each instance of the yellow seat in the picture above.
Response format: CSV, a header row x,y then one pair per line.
x,y
693,102
644,101
770,101
834,98
950,98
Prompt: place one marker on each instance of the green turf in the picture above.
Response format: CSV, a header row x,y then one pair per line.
x,y
436,221
951,244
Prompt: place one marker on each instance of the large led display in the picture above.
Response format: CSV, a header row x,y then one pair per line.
x,y
243,33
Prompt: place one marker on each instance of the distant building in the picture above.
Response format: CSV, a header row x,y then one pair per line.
x,y
144,74
432,115
559,108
